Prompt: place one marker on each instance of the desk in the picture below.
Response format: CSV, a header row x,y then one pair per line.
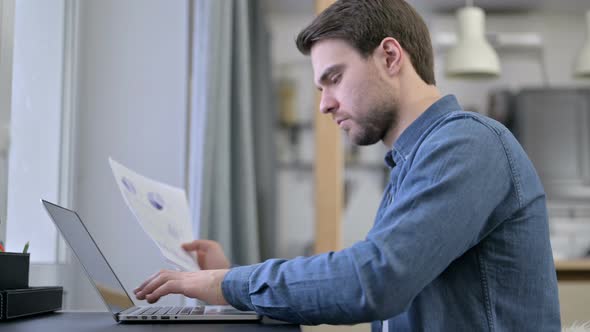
x,y
103,321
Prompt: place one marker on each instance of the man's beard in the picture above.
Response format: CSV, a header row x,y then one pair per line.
x,y
373,126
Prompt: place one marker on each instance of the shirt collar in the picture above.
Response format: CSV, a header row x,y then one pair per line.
x,y
406,141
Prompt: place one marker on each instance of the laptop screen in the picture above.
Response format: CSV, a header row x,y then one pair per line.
x,y
98,269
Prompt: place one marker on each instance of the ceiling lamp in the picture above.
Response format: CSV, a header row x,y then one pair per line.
x,y
472,56
582,67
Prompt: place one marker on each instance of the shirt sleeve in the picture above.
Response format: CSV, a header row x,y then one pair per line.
x,y
444,204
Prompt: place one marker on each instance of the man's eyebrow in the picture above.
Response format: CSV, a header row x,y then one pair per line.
x,y
329,72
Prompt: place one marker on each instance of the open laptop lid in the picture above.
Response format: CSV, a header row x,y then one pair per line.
x,y
93,261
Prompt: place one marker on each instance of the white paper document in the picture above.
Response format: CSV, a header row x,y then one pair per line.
x,y
161,210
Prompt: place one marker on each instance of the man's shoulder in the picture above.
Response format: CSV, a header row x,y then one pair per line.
x,y
465,127
476,120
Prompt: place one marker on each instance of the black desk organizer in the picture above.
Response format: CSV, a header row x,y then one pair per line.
x,y
17,299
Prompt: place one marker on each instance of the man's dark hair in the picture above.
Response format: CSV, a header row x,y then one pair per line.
x,y
365,23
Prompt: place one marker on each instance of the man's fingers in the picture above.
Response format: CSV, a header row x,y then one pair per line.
x,y
191,246
142,286
197,245
154,283
204,285
169,287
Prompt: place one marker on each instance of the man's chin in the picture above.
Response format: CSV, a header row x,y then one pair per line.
x,y
364,143
362,140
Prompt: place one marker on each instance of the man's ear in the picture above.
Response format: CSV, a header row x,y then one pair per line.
x,y
392,55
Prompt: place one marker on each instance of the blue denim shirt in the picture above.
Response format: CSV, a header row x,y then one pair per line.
x,y
460,242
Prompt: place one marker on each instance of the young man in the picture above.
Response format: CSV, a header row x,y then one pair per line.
x,y
460,240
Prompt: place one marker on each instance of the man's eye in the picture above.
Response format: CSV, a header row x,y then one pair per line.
x,y
336,79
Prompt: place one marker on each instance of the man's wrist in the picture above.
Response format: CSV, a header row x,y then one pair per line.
x,y
236,287
219,276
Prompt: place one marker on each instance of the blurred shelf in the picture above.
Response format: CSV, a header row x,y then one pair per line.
x,y
500,41
573,270
306,125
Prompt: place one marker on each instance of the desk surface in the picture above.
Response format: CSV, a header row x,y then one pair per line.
x,y
103,321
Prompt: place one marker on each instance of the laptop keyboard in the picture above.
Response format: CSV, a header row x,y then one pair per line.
x,y
180,313
177,311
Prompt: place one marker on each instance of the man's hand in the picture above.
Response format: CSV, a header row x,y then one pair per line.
x,y
210,255
203,285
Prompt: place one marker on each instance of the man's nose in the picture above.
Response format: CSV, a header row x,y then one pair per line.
x,y
328,104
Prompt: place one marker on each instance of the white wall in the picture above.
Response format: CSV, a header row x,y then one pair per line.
x,y
132,105
6,49
125,71
35,126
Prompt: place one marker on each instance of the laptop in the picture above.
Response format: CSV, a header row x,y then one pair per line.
x,y
110,288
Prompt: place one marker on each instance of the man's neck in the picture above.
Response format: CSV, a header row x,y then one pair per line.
x,y
411,106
